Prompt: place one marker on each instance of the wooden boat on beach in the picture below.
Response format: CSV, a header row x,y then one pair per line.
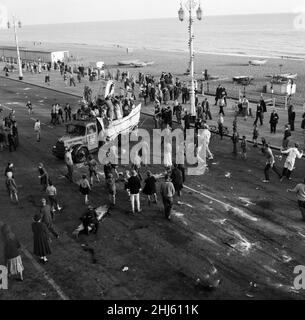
x,y
243,80
257,62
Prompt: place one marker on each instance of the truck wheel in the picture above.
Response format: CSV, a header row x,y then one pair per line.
x,y
81,155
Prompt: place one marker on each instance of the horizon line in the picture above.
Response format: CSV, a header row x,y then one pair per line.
x,y
144,19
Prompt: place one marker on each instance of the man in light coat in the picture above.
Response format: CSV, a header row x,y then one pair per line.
x,y
292,154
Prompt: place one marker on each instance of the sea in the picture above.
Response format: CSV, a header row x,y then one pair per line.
x,y
257,36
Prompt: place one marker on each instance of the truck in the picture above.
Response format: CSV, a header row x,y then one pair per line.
x,y
87,134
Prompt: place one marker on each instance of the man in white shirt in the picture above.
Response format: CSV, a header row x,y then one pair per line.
x,y
300,191
52,194
292,154
206,135
37,129
270,164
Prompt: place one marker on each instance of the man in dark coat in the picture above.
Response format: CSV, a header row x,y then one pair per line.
x,y
177,179
259,115
274,119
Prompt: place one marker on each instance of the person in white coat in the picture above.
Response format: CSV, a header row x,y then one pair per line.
x,y
37,129
206,135
292,154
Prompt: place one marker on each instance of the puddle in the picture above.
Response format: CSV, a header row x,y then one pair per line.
x,y
26,89
240,213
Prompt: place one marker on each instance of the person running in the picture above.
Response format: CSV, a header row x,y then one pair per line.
x,y
12,254
300,191
270,164
41,239
150,188
30,107
292,154
134,188
92,165
167,191
52,195
47,217
244,148
12,187
37,129
85,188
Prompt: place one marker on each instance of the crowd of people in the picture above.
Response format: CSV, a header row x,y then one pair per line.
x,y
168,95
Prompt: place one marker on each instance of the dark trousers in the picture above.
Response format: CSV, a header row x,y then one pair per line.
x,y
68,117
286,173
235,148
292,125
274,168
273,128
221,111
260,118
208,115
168,204
70,172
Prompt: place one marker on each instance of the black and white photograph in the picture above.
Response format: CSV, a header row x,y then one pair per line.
x,y
152,151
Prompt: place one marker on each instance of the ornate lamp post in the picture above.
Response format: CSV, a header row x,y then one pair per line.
x,y
17,45
190,6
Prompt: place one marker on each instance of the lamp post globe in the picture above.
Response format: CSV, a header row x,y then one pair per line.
x,y
181,13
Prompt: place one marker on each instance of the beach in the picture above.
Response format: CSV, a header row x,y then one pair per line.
x,y
225,66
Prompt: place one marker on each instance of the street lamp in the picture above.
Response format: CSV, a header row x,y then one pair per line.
x,y
190,6
17,45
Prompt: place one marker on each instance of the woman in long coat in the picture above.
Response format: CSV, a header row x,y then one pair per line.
x,y
12,253
150,188
41,239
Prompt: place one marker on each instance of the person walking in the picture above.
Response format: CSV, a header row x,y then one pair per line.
x,y
12,254
259,115
222,104
12,187
245,108
167,191
220,125
68,112
41,239
292,118
37,129
43,176
300,192
150,188
11,141
206,136
244,148
274,119
85,188
111,188
270,164
30,108
52,195
134,189
177,180
69,163
287,135
255,136
92,165
292,154
47,217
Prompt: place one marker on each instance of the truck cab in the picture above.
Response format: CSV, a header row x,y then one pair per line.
x,y
82,137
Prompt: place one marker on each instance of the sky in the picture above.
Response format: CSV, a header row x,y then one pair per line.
x,y
65,11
